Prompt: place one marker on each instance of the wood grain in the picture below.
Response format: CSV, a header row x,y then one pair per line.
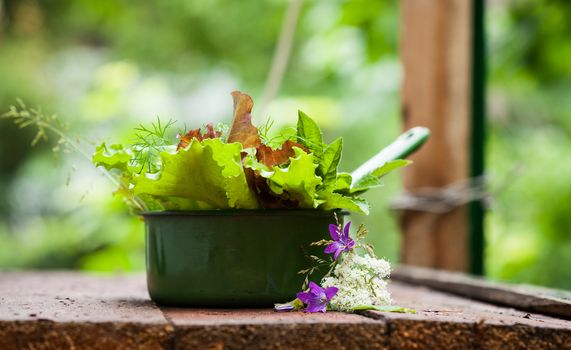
x,y
530,298
70,310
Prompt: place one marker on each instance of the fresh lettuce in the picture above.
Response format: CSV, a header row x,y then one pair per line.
x,y
112,157
208,169
297,181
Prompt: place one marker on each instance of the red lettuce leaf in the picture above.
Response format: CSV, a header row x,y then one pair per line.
x,y
242,129
198,134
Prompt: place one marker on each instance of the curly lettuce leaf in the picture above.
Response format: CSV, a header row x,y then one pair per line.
x,y
242,129
111,157
297,181
209,171
270,156
157,203
208,133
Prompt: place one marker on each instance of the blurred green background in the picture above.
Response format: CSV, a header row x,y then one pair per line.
x,y
106,66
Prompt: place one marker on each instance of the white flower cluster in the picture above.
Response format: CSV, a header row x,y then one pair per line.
x,y
360,280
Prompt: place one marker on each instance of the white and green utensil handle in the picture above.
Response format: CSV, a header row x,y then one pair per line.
x,y
402,147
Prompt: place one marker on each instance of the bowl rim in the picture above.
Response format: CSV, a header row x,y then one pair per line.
x,y
246,212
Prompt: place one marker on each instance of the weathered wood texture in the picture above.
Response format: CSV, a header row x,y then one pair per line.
x,y
77,311
436,54
266,329
445,321
536,299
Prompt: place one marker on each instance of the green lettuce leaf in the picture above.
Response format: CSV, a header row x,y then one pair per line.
x,y
157,203
209,171
331,200
111,157
297,181
250,161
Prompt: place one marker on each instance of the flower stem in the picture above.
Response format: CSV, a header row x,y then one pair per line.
x,y
136,200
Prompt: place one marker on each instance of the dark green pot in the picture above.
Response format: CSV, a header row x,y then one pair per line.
x,y
231,258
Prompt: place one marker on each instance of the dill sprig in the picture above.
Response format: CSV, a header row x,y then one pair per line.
x,y
264,130
224,129
149,143
278,140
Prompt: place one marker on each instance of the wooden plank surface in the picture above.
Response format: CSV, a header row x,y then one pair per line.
x,y
445,321
542,300
74,310
267,329
61,310
436,93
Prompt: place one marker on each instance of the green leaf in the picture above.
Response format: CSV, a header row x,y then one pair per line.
x,y
365,183
297,181
329,161
309,134
343,182
112,157
250,161
372,179
156,203
209,171
384,308
390,166
332,200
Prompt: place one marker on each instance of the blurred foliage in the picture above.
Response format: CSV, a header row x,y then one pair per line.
x,y
106,66
529,228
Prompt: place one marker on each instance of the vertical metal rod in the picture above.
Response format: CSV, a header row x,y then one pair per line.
x,y
476,208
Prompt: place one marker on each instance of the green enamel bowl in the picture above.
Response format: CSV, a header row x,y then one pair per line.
x,y
240,258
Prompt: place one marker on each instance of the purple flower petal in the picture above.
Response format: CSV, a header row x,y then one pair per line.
x,y
330,292
321,307
332,247
317,298
350,245
314,288
346,230
305,297
337,252
334,232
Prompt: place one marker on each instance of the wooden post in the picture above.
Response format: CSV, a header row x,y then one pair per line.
x,y
436,49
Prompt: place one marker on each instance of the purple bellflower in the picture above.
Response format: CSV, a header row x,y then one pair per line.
x,y
317,298
341,240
